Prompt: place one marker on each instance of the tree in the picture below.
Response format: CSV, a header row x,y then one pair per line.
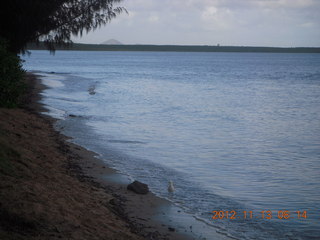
x,y
11,73
52,21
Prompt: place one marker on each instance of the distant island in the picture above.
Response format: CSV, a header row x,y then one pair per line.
x,y
106,46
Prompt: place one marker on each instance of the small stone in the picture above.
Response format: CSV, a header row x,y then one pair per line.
x,y
171,229
138,187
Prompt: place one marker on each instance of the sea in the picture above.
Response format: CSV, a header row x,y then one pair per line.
x,y
237,133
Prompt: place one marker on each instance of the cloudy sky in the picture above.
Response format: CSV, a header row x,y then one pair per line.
x,y
283,23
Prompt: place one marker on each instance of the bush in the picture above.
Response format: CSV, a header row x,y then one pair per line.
x,y
11,77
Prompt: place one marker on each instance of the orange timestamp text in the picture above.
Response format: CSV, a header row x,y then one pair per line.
x,y
265,214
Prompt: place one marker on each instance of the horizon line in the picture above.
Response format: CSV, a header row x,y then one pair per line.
x,y
191,45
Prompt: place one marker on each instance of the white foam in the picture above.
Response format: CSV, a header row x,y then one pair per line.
x,y
52,81
55,113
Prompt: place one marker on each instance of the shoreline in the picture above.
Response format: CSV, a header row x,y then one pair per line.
x,y
33,136
178,48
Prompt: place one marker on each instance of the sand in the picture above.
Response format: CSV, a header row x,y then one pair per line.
x,y
53,189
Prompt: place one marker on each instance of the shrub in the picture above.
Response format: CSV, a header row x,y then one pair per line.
x,y
11,77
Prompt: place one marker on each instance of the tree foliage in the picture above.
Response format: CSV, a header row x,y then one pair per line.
x,y
11,75
52,21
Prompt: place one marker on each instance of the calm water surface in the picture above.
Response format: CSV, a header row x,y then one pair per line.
x,y
234,131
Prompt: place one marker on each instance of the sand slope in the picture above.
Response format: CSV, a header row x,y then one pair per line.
x,y
40,197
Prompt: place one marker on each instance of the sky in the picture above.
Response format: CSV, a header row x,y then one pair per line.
x,y
274,23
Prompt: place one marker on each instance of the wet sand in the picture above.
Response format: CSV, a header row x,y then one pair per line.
x,y
53,189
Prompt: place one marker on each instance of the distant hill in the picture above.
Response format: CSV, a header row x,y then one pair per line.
x,y
111,42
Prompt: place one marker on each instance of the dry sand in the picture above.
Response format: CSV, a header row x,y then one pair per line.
x,y
53,189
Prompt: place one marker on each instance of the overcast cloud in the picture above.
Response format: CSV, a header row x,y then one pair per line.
x,y
286,23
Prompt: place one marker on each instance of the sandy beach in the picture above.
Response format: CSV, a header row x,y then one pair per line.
x,y
172,120
53,189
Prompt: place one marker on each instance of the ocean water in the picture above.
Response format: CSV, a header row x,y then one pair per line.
x,y
234,131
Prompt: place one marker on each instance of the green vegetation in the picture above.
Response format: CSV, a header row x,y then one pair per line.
x,y
173,48
11,78
54,21
51,22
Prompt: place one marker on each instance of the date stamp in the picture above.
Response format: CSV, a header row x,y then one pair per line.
x,y
265,214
